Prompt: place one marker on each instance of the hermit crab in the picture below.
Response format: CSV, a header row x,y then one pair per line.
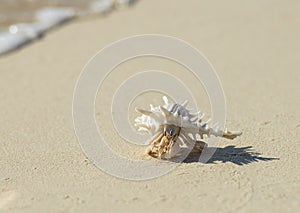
x,y
173,126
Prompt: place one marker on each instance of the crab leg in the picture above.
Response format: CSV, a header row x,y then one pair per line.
x,y
154,142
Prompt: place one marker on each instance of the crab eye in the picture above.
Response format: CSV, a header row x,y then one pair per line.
x,y
169,130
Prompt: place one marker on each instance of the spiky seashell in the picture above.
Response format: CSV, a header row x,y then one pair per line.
x,y
173,121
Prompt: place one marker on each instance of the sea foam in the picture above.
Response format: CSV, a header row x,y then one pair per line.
x,y
46,18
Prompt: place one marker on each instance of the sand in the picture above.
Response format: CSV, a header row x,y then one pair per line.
x,y
255,49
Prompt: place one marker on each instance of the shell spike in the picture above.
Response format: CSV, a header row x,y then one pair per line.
x,y
215,125
166,100
215,128
208,121
185,103
144,112
194,119
164,111
194,114
201,116
176,114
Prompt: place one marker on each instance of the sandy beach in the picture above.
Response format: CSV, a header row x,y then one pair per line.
x,y
254,47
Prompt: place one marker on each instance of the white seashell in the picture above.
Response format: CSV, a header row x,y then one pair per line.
x,y
172,121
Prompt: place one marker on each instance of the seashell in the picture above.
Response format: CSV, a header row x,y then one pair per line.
x,y
174,121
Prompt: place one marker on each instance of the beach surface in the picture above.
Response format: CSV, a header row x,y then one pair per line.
x,y
254,47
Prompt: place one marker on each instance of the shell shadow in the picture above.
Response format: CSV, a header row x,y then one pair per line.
x,y
236,155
